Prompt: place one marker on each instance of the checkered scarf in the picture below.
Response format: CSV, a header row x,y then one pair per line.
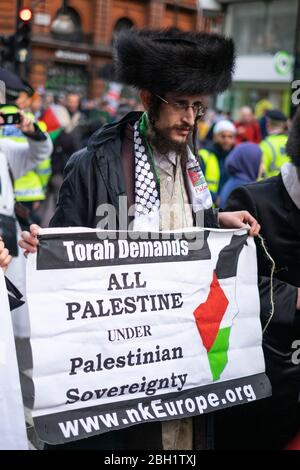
x,y
147,190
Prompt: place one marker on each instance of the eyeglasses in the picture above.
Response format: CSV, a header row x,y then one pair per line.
x,y
198,108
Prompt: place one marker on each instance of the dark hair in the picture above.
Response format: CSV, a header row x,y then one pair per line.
x,y
28,89
153,111
195,140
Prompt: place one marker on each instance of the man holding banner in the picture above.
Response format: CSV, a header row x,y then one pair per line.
x,y
145,156
140,174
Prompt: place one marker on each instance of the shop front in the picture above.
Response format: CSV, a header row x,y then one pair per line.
x,y
264,35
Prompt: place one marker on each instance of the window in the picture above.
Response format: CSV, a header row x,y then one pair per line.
x,y
122,23
67,25
64,78
263,27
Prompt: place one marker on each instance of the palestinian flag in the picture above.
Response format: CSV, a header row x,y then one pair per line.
x,y
56,118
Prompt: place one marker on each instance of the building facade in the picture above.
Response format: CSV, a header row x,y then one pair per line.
x,y
64,57
265,36
80,59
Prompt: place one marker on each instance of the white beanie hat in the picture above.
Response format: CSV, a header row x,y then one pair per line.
x,y
224,126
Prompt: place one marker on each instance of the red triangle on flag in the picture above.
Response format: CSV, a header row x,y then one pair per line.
x,y
209,314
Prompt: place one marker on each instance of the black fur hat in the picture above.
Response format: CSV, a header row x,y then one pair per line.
x,y
174,61
293,143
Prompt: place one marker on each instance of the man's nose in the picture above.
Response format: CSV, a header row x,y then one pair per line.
x,y
189,116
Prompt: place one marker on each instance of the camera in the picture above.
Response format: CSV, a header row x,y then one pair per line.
x,y
10,118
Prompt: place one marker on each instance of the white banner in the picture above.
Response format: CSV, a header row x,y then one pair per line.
x,y
127,331
12,420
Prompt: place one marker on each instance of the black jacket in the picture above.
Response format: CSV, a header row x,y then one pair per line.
x,y
269,202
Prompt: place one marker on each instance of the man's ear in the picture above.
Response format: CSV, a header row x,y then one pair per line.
x,y
145,96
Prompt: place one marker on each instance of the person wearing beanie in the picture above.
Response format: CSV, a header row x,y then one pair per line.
x,y
244,165
274,145
275,203
213,157
147,157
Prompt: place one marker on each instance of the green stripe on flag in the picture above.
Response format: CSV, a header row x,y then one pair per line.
x,y
217,355
54,134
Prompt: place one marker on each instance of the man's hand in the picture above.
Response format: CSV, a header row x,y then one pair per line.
x,y
298,300
29,240
26,124
5,257
238,219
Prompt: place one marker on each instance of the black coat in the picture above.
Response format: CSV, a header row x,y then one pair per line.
x,y
269,202
272,422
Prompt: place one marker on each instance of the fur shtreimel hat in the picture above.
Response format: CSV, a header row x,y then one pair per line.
x,y
174,61
293,143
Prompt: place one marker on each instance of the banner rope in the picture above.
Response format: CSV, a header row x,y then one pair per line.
x,y
262,241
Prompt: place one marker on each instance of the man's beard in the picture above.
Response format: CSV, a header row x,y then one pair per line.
x,y
161,141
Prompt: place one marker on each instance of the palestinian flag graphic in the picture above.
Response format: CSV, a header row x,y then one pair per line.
x,y
215,316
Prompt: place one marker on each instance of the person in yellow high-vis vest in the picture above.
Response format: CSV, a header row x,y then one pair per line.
x,y
31,188
213,156
274,145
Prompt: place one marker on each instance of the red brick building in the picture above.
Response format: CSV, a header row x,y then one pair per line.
x,y
62,61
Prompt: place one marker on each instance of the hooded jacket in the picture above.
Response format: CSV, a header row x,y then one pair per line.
x,y
242,165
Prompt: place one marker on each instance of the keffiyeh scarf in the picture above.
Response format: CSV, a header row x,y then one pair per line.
x,y
147,185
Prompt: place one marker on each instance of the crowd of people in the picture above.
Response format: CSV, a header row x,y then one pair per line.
x,y
60,162
70,122
229,161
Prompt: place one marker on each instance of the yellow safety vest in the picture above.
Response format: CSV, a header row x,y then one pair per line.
x,y
274,153
212,169
31,186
